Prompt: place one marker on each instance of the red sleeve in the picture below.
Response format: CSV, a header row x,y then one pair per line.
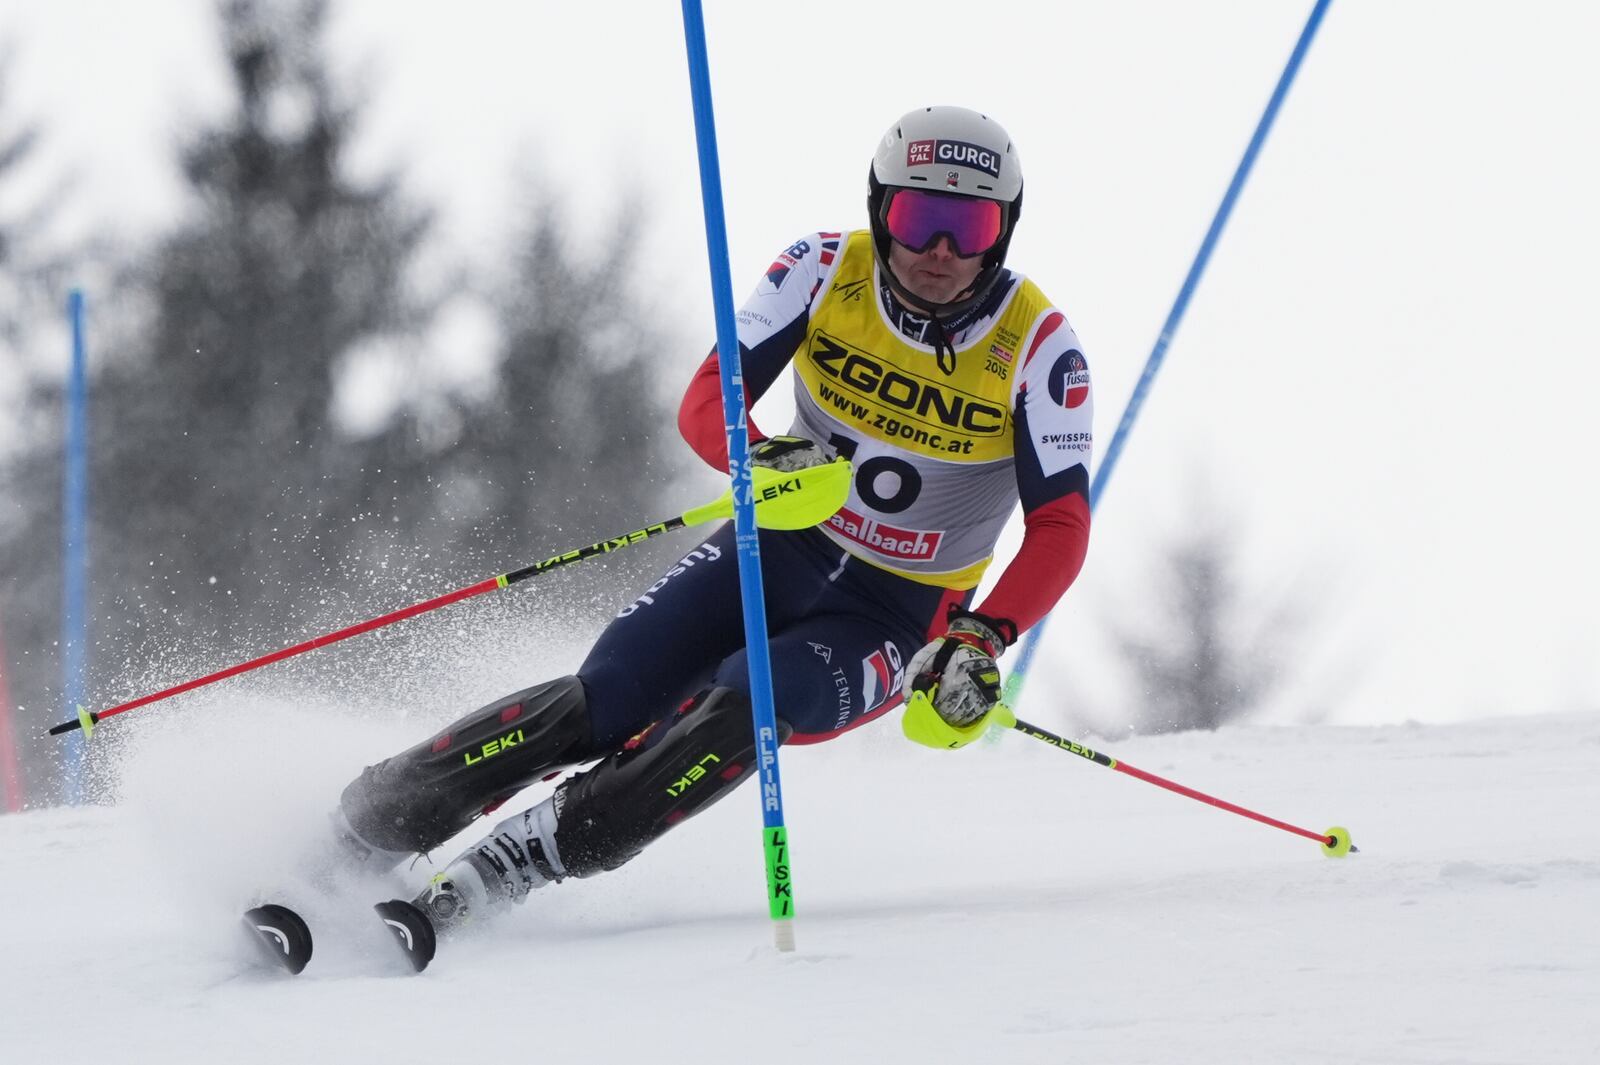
x,y
700,415
1054,542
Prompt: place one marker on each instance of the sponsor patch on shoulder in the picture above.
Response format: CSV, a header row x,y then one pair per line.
x,y
777,274
781,267
1069,380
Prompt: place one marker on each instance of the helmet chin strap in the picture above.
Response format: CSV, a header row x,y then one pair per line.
x,y
940,313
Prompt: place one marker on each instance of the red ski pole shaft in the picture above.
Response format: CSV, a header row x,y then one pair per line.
x,y
87,720
278,656
1333,840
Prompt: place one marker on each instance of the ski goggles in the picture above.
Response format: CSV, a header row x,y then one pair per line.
x,y
917,219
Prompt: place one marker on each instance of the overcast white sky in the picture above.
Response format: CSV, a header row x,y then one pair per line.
x,y
1386,378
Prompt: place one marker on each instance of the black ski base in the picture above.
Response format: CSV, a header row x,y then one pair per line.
x,y
282,936
413,932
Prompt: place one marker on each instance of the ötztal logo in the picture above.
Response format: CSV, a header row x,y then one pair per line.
x,y
919,153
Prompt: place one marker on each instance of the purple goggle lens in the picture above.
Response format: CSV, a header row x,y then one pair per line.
x,y
917,219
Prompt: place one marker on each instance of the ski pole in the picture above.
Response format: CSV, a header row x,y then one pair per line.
x,y
794,500
1335,841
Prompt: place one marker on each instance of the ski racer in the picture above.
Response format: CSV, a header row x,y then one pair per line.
x,y
956,389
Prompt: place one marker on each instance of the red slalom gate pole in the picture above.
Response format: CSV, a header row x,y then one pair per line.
x,y
9,769
1335,841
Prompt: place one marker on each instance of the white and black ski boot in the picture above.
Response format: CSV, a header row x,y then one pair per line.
x,y
518,856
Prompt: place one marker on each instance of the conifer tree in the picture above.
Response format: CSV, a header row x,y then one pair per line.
x,y
1216,653
225,486
574,437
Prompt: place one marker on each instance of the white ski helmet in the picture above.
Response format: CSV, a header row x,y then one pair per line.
x,y
947,152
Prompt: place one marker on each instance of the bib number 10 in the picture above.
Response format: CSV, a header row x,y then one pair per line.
x,y
885,483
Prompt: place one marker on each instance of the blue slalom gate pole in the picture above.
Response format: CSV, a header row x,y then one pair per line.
x,y
75,543
1152,366
774,835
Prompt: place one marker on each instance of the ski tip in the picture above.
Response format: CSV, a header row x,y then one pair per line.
x,y
412,931
282,935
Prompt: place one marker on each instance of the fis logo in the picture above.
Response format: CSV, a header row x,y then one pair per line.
x,y
1069,380
850,290
882,673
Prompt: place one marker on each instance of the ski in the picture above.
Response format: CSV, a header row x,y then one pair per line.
x,y
413,932
284,939
282,935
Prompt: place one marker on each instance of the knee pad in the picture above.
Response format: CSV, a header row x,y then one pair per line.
x,y
609,813
423,796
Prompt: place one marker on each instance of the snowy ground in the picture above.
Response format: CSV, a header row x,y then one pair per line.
x,y
1008,903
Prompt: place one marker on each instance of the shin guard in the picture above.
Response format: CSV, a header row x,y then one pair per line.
x,y
609,813
421,797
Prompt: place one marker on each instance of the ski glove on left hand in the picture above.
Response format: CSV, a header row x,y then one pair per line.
x,y
786,454
958,669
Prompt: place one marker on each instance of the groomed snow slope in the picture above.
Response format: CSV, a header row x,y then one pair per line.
x,y
1007,903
